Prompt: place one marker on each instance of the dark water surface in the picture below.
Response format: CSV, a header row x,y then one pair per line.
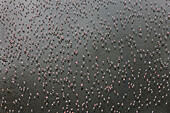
x,y
84,56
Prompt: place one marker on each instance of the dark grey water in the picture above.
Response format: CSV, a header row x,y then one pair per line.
x,y
87,56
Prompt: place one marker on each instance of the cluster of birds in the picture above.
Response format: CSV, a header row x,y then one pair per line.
x,y
84,56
